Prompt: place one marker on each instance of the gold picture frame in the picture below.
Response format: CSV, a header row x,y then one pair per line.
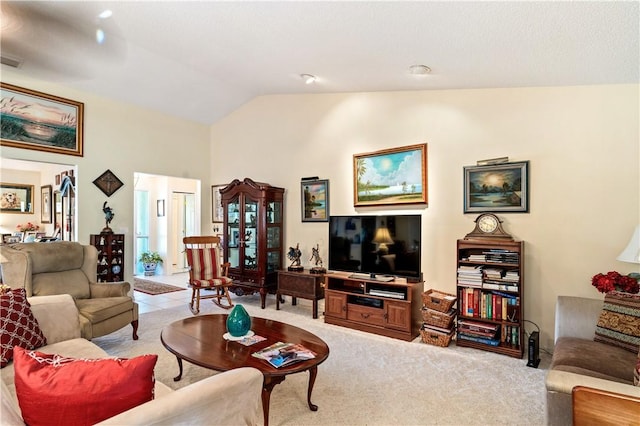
x,y
16,198
391,176
41,122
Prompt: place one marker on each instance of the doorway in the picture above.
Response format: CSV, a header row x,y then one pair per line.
x,y
160,230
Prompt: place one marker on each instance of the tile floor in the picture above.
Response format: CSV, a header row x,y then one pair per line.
x,y
149,303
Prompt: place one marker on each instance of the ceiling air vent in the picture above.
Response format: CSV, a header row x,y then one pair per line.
x,y
12,62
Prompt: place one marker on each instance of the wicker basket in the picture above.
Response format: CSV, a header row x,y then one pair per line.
x,y
438,301
435,337
439,319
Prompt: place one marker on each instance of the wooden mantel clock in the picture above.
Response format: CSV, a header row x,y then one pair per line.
x,y
488,226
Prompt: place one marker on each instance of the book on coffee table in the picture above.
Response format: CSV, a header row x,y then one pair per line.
x,y
281,354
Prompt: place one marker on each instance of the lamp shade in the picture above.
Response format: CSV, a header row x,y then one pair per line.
x,y
631,253
382,236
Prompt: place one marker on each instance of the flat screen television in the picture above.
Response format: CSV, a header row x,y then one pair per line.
x,y
378,245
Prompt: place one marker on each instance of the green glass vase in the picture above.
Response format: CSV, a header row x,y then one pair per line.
x,y
238,321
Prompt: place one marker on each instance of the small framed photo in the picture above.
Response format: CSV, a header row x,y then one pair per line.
x,y
497,188
30,236
160,212
315,200
46,207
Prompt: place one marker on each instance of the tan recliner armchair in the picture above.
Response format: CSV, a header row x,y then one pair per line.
x,y
64,267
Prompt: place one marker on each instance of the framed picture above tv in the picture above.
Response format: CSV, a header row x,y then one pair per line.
x,y
391,176
497,188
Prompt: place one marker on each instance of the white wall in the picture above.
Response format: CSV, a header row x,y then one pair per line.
x,y
125,139
582,144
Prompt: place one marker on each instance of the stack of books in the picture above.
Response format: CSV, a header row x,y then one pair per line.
x,y
478,332
470,276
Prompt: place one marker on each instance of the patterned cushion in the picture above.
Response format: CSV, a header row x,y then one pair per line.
x,y
619,322
205,267
19,326
56,390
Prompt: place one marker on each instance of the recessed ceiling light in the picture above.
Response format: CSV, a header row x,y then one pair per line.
x,y
308,78
419,70
105,14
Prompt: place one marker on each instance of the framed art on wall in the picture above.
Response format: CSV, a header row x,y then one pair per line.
x,y
497,188
391,176
315,200
16,198
217,214
108,183
46,211
38,121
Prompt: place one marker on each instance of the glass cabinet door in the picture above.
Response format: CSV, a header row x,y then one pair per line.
x,y
274,229
250,237
233,232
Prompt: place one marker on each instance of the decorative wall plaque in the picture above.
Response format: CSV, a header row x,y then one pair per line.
x,y
108,183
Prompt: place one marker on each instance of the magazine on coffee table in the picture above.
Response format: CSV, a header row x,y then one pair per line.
x,y
281,354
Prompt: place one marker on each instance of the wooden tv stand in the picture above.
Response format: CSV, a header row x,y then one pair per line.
x,y
387,308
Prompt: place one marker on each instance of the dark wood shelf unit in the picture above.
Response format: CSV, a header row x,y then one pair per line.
x,y
349,303
111,259
510,328
304,285
253,235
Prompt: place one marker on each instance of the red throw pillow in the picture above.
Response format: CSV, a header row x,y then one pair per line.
x,y
53,389
19,326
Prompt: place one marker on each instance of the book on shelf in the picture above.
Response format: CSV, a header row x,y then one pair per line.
x,y
281,354
484,340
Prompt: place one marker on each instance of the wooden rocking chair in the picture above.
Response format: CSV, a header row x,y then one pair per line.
x,y
205,271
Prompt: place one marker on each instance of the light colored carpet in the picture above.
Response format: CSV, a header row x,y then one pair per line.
x,y
154,288
369,379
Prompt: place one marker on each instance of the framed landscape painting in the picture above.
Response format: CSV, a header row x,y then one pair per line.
x,y
16,198
315,200
497,188
38,121
391,176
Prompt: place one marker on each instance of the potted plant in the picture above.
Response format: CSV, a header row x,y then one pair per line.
x,y
150,261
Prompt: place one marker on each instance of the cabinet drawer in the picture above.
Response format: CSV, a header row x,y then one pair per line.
x,y
365,314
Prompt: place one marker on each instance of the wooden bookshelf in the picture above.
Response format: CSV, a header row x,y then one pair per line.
x,y
490,288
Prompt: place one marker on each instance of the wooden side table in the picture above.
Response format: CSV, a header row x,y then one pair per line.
x,y
300,284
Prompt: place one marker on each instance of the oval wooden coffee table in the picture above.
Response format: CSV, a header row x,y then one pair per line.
x,y
199,341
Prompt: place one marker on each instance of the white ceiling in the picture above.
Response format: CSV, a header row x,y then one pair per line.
x,y
202,60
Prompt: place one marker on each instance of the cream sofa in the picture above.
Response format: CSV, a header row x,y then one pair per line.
x,y
229,398
65,267
578,360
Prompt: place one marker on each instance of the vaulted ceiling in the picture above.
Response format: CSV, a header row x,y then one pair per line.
x,y
202,60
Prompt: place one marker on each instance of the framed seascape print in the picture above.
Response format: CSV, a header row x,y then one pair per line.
x,y
391,176
46,198
315,200
497,188
16,198
217,214
38,121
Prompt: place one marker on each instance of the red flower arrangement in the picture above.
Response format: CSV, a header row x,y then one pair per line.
x,y
27,227
615,281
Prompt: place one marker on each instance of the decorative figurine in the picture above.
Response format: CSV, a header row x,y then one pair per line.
x,y
294,256
108,217
315,256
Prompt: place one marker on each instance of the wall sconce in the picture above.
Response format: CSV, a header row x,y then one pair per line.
x,y
160,208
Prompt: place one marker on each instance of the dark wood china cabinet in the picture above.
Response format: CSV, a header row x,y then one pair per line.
x,y
253,235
